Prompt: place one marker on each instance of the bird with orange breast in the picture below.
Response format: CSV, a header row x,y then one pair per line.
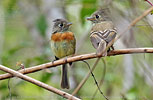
x,y
63,44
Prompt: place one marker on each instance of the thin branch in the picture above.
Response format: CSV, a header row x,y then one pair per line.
x,y
145,13
130,51
85,78
38,83
77,58
149,2
102,79
96,82
119,52
9,88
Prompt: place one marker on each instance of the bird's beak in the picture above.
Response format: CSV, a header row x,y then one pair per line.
x,y
90,18
68,24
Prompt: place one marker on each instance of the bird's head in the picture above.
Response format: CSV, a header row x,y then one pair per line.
x,y
61,25
99,16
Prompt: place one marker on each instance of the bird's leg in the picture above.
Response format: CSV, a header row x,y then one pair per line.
x,y
55,59
112,47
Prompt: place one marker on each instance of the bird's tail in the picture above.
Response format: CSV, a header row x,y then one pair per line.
x,y
101,48
65,80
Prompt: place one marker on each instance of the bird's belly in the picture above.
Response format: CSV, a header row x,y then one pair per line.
x,y
63,49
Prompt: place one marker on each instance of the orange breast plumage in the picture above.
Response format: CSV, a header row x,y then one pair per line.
x,y
62,36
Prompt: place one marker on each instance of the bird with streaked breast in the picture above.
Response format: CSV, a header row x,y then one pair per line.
x,y
63,44
103,30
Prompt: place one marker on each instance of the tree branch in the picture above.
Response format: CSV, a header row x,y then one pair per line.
x,y
145,13
77,58
38,83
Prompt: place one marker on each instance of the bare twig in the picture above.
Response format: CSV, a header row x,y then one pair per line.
x,y
135,21
9,88
38,83
84,80
21,66
149,2
102,79
96,82
77,58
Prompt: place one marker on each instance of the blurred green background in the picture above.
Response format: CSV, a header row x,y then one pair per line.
x,y
25,29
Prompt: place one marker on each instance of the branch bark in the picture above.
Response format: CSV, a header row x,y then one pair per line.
x,y
38,83
77,58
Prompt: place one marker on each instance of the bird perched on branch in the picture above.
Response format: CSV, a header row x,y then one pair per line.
x,y
63,44
102,31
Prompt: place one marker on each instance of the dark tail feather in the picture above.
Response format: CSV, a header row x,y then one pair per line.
x,y
65,80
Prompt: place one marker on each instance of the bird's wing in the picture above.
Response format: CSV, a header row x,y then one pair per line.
x,y
109,35
95,39
101,48
98,42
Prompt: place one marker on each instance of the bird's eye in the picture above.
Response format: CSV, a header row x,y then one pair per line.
x,y
60,25
97,16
